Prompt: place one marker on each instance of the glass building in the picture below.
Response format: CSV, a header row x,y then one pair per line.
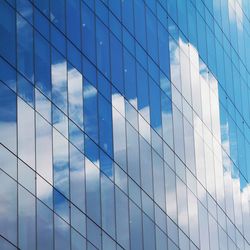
x,y
124,124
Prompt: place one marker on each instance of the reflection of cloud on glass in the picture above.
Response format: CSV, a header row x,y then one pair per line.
x,y
75,93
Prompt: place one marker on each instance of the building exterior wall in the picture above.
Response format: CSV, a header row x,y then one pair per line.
x,y
124,124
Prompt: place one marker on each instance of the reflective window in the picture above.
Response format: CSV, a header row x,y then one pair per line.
x,y
42,65
60,163
105,125
44,148
25,90
8,32
25,48
122,218
7,74
133,153
26,177
60,121
75,93
26,219
57,13
8,117
61,205
78,220
59,80
8,218
92,191
119,139
44,227
77,241
77,178
73,21
90,111
61,234
88,33
26,133
108,205
8,162
102,48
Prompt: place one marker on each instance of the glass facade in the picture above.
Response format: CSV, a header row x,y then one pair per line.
x,y
124,124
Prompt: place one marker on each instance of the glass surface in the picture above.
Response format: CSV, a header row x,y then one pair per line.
x,y
61,163
26,133
25,62
8,218
8,118
77,178
26,219
92,191
44,227
75,95
7,33
44,148
8,162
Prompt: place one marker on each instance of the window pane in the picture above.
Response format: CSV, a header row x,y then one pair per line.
x,y
44,148
108,205
77,178
59,80
8,213
105,125
26,133
62,234
92,191
8,118
88,33
75,93
90,111
7,32
42,65
73,21
26,219
25,48
44,227
57,13
60,163
102,48
8,162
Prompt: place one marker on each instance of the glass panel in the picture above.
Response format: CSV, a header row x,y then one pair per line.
x,y
26,133
77,178
88,33
92,191
7,32
108,205
135,226
119,137
61,205
90,111
73,21
61,163
75,93
26,219
25,90
44,227
8,213
102,48
78,220
42,65
44,148
77,241
105,125
44,191
60,121
57,13
25,48
122,218
146,167
8,118
26,177
59,80
133,153
8,162
62,234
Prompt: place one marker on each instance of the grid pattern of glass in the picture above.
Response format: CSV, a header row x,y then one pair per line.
x,y
124,124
